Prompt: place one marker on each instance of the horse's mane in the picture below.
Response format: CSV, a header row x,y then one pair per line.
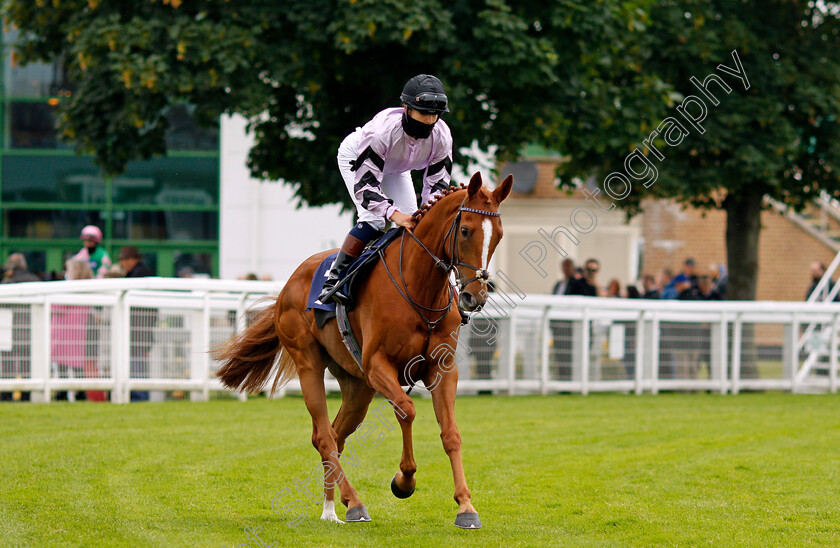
x,y
440,195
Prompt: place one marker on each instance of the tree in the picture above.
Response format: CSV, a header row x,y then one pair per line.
x,y
780,137
307,72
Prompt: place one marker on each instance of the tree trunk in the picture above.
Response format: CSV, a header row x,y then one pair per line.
x,y
743,225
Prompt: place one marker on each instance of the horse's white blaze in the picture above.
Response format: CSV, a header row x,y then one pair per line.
x,y
329,512
487,227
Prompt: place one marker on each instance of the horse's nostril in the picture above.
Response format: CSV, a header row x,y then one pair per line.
x,y
467,300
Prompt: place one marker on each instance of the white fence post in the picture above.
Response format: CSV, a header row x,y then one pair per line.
x,y
736,353
122,363
793,358
585,353
198,346
832,371
640,352
724,350
205,355
511,353
654,355
546,336
39,352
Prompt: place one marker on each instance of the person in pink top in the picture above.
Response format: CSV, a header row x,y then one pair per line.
x,y
375,162
69,325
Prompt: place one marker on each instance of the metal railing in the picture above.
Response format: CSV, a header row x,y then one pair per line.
x,y
153,334
119,335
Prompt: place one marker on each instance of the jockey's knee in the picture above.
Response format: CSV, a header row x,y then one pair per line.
x,y
367,230
359,236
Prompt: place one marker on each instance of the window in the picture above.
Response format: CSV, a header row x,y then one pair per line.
x,y
59,179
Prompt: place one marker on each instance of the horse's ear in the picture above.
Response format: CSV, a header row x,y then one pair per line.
x,y
503,189
475,184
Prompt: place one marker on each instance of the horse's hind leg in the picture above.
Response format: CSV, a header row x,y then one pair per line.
x,y
356,396
310,364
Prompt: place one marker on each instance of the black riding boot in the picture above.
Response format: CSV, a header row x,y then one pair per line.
x,y
342,261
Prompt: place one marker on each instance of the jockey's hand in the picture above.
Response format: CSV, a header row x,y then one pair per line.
x,y
401,219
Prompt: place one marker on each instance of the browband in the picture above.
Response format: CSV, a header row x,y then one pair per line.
x,y
488,213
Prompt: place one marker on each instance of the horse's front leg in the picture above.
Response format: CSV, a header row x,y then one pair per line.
x,y
382,377
444,386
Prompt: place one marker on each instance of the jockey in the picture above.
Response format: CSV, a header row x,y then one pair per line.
x,y
375,162
92,253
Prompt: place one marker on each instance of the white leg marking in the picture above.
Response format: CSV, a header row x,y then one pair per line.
x,y
329,512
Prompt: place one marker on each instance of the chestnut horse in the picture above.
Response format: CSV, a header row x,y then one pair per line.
x,y
405,308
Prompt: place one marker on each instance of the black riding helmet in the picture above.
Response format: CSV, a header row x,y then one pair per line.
x,y
425,93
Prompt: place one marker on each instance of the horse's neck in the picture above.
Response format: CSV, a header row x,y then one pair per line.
x,y
425,280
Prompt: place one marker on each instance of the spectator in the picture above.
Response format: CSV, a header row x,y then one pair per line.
x,y
588,285
92,253
251,277
685,292
141,323
614,288
721,281
16,270
186,272
69,333
633,292
689,269
817,272
562,287
649,285
665,283
706,288
132,263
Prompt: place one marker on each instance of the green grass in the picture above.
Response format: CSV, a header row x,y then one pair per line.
x,y
608,470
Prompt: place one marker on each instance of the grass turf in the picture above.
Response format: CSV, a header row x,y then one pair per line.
x,y
689,469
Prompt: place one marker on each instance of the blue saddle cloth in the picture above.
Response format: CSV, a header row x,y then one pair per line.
x,y
348,277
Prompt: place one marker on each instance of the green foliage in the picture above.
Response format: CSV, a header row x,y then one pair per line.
x,y
307,72
780,137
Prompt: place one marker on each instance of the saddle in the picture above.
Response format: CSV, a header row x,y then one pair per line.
x,y
348,279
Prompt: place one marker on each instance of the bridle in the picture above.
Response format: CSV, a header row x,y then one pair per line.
x,y
451,249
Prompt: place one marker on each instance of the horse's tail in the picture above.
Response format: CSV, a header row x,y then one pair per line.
x,y
250,356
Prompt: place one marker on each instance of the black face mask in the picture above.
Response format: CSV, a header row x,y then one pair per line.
x,y
415,128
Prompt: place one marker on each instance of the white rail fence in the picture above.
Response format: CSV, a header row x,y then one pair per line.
x,y
153,334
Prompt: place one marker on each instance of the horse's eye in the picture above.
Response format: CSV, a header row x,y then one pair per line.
x,y
465,232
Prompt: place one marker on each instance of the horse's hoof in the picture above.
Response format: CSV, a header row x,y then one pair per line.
x,y
357,514
467,520
399,493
